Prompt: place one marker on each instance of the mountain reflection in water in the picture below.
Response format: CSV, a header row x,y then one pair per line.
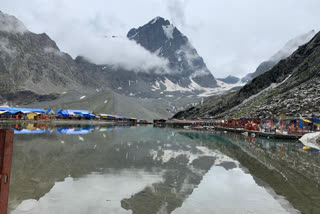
x,y
141,170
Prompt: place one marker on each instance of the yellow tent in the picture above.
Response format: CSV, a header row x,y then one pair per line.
x,y
305,120
31,115
2,112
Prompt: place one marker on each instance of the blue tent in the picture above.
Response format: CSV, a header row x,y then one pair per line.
x,y
71,112
62,112
49,111
13,110
28,110
4,108
315,120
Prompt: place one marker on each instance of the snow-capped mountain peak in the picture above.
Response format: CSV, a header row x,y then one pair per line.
x,y
162,38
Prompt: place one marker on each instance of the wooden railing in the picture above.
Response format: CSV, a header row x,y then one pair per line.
x,y
6,142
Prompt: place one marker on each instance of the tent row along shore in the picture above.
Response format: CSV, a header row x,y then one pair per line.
x,y
16,113
284,125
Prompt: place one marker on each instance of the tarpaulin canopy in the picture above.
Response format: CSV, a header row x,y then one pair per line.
x,y
50,111
11,112
28,110
306,120
71,112
4,108
14,110
62,112
315,120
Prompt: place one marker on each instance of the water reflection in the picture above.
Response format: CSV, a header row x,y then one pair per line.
x,y
145,170
282,165
93,193
47,128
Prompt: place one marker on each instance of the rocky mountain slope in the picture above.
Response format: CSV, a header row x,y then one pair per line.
x,y
283,53
229,79
34,72
184,75
32,68
291,87
162,38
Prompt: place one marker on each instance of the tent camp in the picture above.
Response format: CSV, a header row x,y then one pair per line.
x,y
70,113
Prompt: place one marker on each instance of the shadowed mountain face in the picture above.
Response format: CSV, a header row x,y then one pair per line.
x,y
290,87
33,69
162,38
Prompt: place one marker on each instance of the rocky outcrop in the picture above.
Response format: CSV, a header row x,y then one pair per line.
x,y
162,38
33,64
291,87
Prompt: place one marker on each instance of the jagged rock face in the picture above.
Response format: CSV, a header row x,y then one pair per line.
x,y
246,78
263,67
165,40
229,79
32,68
283,53
291,87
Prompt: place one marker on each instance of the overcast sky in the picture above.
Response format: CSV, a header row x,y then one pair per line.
x,y
232,36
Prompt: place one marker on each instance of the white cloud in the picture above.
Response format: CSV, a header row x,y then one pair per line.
x,y
4,47
10,24
53,51
120,52
233,37
177,11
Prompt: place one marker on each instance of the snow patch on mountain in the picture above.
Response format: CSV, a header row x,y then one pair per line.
x,y
156,86
155,20
170,86
193,86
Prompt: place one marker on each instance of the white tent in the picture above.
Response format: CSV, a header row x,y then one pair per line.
x,y
311,140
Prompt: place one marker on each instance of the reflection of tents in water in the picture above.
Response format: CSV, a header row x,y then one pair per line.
x,y
30,129
31,126
27,131
80,130
111,128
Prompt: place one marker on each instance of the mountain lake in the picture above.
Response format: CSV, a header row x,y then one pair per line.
x,y
142,170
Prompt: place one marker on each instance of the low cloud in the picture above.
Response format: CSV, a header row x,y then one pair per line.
x,y
121,52
11,24
5,48
51,50
192,58
176,9
292,45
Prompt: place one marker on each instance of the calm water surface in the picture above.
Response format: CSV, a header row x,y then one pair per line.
x,y
144,170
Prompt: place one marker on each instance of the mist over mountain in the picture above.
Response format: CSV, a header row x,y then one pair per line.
x,y
291,87
162,38
283,53
35,72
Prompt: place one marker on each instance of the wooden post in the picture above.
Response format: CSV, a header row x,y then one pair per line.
x,y
6,143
